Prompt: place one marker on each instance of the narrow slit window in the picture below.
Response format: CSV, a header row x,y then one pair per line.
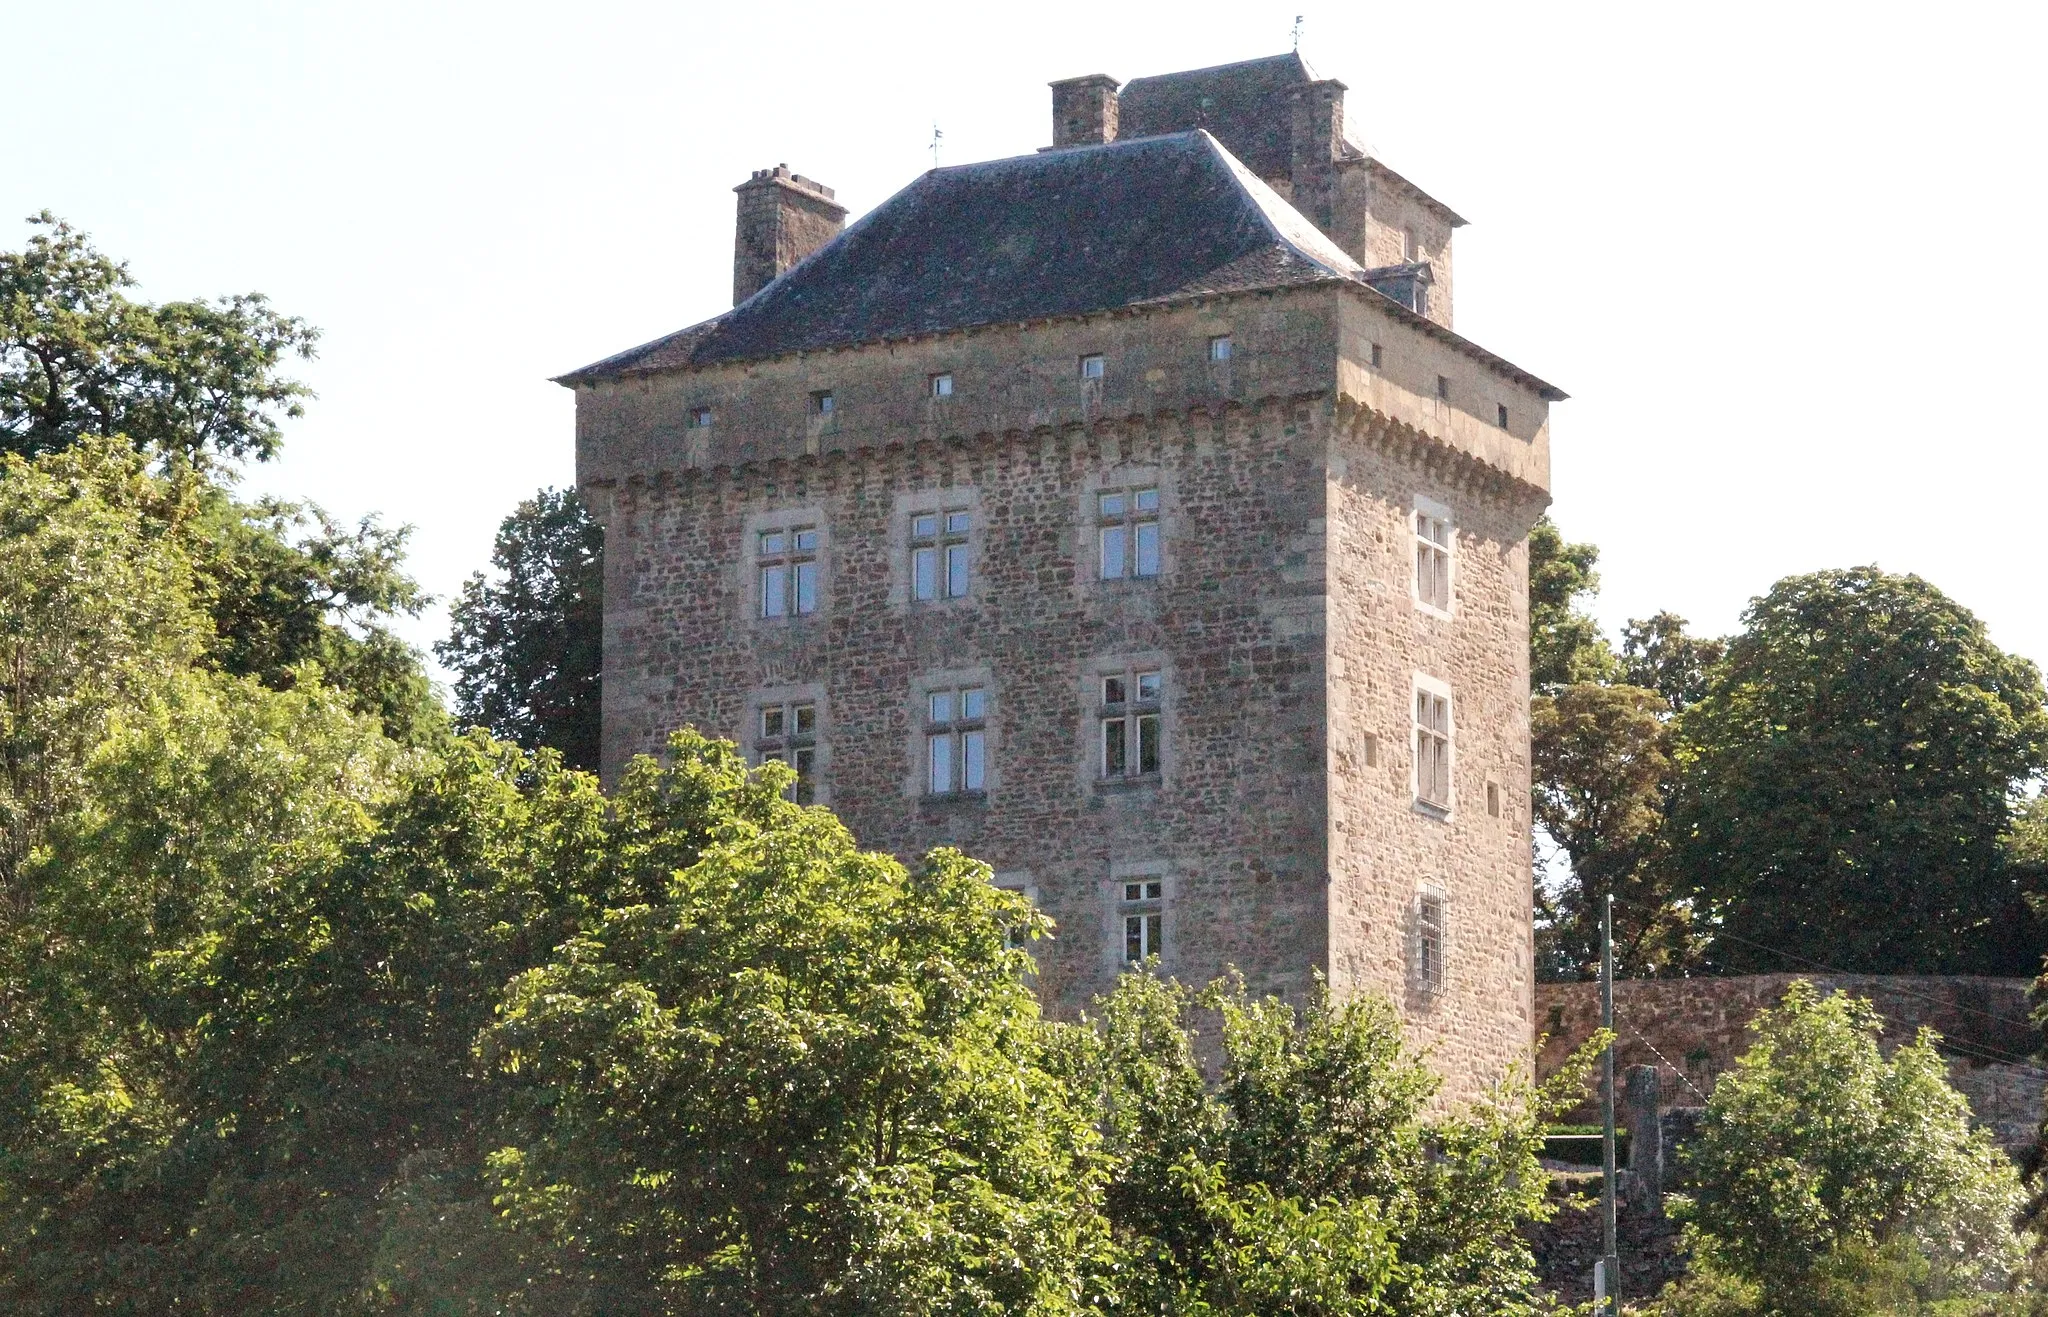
x,y
1503,416
787,560
1443,387
939,558
1127,533
1378,356
1129,721
1493,799
956,741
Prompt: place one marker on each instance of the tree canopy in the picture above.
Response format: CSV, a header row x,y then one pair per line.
x,y
195,382
1845,783
1831,1179
526,643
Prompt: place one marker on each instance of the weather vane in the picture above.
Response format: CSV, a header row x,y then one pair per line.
x,y
937,137
1297,33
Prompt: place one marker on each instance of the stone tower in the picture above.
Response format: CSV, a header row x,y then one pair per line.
x,y
1115,518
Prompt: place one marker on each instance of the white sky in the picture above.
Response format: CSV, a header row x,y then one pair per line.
x,y
1786,258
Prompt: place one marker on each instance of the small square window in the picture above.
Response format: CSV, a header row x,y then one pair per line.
x,y
773,720
942,386
1091,366
1219,348
1503,416
1378,356
822,403
699,419
1443,387
1112,690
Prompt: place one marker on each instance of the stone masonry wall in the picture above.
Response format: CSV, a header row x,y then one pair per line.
x,y
1233,824
1694,1029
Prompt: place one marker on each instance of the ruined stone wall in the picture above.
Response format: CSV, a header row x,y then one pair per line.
x,y
1694,1029
1234,822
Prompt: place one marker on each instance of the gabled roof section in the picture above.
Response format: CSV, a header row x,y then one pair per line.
x,y
1058,233
1245,105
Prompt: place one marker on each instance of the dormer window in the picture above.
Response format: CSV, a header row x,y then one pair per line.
x,y
942,386
699,418
1091,366
822,403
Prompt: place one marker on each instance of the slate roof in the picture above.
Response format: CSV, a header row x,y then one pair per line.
x,y
1243,104
1058,233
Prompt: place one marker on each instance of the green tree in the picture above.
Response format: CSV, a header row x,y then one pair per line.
x,y
526,645
794,1077
1602,771
1658,654
1831,1179
195,383
1565,644
1844,785
1314,1178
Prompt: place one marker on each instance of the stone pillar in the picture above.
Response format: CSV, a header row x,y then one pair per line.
x,y
1642,1089
1084,111
783,217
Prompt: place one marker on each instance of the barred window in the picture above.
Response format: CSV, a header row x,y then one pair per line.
x,y
1433,748
1127,532
956,741
1429,940
938,553
788,734
1129,718
787,558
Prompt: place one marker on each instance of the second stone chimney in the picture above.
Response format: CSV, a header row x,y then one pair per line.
x,y
783,217
1084,111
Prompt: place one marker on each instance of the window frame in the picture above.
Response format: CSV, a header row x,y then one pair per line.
x,y
756,559
699,418
1129,524
950,546
1433,562
824,404
785,744
1429,940
1432,749
956,731
1130,715
1149,914
1221,349
1092,367
939,385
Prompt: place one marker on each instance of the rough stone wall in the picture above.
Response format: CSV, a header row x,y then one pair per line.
x,y
1694,1029
1234,824
1385,848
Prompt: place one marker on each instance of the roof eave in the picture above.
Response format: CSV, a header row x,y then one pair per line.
x,y
1543,388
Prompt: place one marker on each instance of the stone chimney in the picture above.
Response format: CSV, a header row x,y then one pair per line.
x,y
1084,111
783,217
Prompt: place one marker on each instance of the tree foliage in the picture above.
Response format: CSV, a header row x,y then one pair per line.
x,y
1832,1179
1602,771
1845,783
195,383
1565,644
526,644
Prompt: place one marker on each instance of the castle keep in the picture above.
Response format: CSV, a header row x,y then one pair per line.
x,y
1128,515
